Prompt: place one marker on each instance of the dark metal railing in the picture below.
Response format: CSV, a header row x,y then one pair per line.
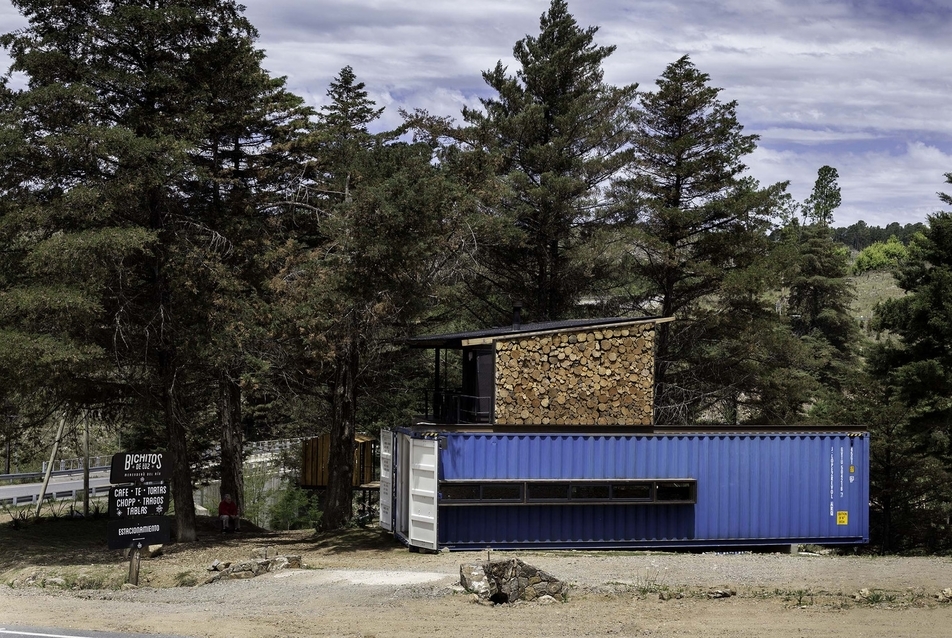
x,y
449,406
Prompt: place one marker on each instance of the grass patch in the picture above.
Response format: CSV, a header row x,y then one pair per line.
x,y
352,539
69,577
53,541
186,579
876,597
799,597
872,288
651,582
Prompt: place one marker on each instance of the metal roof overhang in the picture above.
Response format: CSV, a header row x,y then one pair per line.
x,y
433,428
460,340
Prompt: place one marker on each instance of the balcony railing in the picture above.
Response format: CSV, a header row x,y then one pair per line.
x,y
456,407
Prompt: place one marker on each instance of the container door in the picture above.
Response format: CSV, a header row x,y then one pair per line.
x,y
423,478
401,485
386,480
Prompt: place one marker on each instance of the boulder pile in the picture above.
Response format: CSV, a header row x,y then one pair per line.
x,y
508,581
251,568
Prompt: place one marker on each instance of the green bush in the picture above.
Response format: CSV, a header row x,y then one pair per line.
x,y
883,255
294,508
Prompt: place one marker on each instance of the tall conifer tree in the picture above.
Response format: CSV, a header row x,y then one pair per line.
x,y
698,246
138,150
918,369
915,368
360,267
557,134
820,289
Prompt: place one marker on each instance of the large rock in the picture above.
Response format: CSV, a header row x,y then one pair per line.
x,y
154,551
510,580
264,552
251,568
474,579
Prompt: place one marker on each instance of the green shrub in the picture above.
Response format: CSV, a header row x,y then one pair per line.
x,y
294,508
883,255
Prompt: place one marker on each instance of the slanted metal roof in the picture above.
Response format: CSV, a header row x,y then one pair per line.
x,y
457,340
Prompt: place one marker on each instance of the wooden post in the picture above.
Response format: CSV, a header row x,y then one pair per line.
x,y
49,467
134,559
86,467
436,384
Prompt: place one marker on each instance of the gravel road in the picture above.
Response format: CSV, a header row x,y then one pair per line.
x,y
396,593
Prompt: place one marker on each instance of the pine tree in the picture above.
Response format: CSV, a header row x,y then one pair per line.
x,y
343,135
918,369
820,291
342,161
138,153
825,198
555,133
353,274
915,369
698,250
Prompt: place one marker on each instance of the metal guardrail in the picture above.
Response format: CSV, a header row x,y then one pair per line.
x,y
256,452
25,476
265,447
77,464
57,495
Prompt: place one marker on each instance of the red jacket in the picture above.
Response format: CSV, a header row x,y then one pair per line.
x,y
231,509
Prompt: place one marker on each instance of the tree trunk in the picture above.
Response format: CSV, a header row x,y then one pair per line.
x,y
662,336
181,482
338,504
886,500
232,439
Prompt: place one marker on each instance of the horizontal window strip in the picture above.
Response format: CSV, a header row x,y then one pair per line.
x,y
561,492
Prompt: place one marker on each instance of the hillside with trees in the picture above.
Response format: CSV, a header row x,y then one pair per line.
x,y
192,258
860,235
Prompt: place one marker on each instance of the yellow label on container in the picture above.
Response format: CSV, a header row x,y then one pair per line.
x,y
842,518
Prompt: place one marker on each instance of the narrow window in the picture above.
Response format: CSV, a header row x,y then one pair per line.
x,y
502,492
460,492
675,492
631,491
547,491
581,491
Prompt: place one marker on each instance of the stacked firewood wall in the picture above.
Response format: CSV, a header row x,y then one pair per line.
x,y
591,377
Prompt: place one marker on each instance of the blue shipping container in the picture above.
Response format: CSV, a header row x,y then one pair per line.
x,y
631,490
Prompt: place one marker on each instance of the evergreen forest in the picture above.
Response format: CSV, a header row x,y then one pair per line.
x,y
191,258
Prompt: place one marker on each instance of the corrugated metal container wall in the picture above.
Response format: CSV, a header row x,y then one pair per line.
x,y
750,489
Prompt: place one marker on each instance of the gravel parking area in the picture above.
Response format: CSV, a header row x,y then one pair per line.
x,y
392,592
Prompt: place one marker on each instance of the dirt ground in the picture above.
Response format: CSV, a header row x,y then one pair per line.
x,y
361,583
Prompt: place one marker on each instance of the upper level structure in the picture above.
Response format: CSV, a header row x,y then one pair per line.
x,y
579,373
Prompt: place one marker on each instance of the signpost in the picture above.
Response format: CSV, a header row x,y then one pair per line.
x,y
139,468
138,500
139,532
138,505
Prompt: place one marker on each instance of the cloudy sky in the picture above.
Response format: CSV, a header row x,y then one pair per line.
x,y
862,85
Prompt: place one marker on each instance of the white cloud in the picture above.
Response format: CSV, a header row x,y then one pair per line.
x,y
863,86
876,186
812,136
